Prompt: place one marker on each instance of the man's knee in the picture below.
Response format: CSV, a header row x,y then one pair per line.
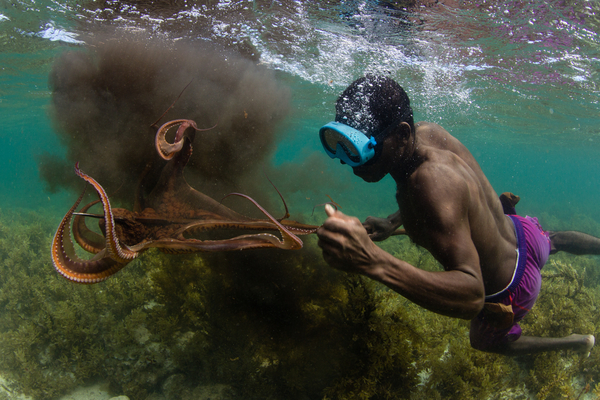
x,y
483,337
477,343
475,338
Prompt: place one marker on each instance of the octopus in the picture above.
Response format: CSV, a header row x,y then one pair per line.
x,y
175,219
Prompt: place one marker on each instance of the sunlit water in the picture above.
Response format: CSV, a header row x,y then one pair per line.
x,y
516,82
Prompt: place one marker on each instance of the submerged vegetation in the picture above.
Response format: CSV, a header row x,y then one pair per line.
x,y
267,325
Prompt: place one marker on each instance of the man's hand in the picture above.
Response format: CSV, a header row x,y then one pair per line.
x,y
346,244
378,228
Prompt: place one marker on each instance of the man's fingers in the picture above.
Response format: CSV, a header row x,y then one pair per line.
x,y
332,212
329,210
336,214
337,225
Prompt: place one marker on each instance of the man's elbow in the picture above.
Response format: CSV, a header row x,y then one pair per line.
x,y
473,307
473,300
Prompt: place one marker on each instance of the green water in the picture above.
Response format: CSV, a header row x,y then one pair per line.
x,y
516,82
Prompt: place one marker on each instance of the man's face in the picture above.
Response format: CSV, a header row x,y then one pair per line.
x,y
372,171
377,169
368,174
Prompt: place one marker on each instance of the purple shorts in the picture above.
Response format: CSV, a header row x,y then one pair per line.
x,y
534,249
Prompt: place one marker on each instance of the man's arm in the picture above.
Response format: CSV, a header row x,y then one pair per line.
x,y
442,227
346,246
382,228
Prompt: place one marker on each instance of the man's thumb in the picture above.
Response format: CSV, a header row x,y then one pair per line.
x,y
329,209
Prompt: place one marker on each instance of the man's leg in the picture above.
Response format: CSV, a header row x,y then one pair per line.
x,y
487,338
529,344
574,242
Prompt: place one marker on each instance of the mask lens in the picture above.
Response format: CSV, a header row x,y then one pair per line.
x,y
332,138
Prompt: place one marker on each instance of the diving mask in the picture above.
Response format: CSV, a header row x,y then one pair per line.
x,y
346,143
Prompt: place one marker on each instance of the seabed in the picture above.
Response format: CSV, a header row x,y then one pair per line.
x,y
265,325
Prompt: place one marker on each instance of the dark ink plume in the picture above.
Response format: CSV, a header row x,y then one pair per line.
x,y
106,96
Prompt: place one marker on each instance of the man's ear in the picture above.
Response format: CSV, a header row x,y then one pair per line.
x,y
404,131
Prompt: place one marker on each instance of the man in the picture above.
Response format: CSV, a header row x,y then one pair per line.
x,y
491,261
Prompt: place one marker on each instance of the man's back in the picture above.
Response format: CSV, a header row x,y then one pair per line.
x,y
448,192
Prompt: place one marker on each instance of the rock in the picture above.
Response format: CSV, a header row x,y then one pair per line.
x,y
211,392
173,386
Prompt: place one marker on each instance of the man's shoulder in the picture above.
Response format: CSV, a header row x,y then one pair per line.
x,y
433,134
428,126
440,168
442,176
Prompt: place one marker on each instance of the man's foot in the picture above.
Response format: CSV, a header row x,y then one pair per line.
x,y
510,198
509,201
587,342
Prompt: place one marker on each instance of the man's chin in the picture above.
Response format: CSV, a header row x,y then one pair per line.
x,y
367,177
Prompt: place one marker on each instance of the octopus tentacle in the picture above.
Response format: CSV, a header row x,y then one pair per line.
x,y
119,253
289,240
167,150
72,267
89,240
243,242
287,212
299,229
209,225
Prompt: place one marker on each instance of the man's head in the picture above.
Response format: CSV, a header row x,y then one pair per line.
x,y
373,103
372,113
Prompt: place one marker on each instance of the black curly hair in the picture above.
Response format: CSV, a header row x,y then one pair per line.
x,y
373,103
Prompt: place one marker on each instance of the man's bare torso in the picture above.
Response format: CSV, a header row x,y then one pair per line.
x,y
447,187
